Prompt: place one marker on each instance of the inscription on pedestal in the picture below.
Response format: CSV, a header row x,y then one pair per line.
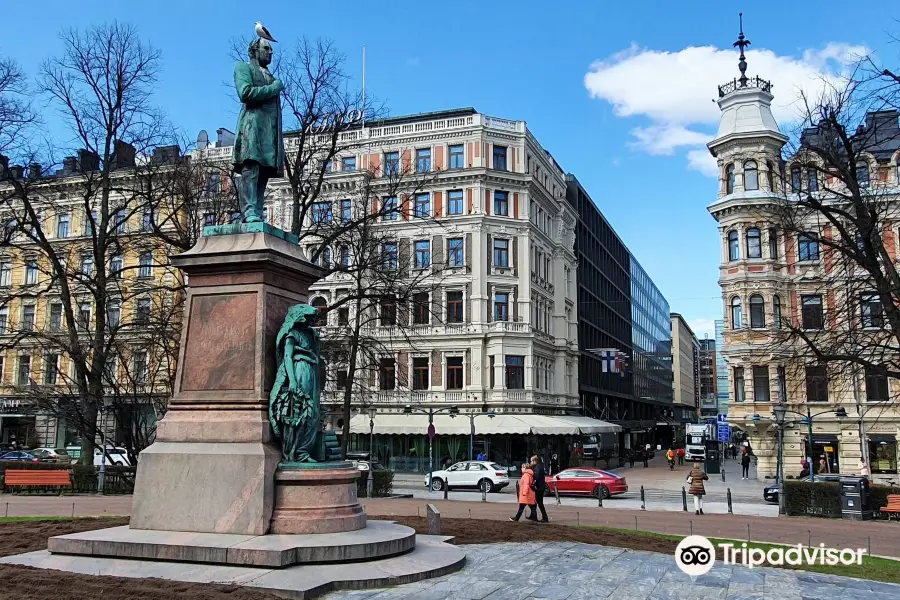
x,y
221,343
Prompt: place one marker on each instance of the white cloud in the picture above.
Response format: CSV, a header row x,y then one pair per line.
x,y
699,159
703,328
673,90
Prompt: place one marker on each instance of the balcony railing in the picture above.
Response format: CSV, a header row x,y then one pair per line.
x,y
753,82
510,327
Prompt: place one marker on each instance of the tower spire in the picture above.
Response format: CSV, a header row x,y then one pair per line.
x,y
742,43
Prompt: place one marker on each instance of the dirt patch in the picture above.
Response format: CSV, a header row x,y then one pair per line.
x,y
23,583
476,531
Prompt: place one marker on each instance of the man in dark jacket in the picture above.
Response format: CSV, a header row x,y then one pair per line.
x,y
540,484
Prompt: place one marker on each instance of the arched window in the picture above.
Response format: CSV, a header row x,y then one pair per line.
x,y
754,243
751,176
795,180
757,312
862,173
776,311
736,316
734,247
322,306
770,175
729,179
326,257
812,180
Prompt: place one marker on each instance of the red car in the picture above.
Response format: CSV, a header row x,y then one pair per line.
x,y
587,481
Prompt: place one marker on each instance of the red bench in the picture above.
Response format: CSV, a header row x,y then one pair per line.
x,y
893,505
31,478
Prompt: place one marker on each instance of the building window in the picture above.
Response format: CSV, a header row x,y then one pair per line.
x,y
809,247
55,317
739,384
883,455
140,368
736,316
388,311
751,176
391,164
62,226
501,203
343,316
348,163
729,179
343,377
321,306
501,307
876,386
28,317
776,311
761,384
455,256
4,320
142,315
812,180
754,243
813,316
84,315
454,373
454,307
422,207
51,368
420,373
147,220
862,174
773,243
423,160
326,257
872,311
757,312
116,265
24,375
209,219
421,312
345,208
770,177
90,219
113,314
500,158
321,212
422,254
87,265
5,274
389,255
455,202
501,253
456,156
345,256
796,176
391,209
31,272
145,264
120,220
515,372
816,384
387,374
734,246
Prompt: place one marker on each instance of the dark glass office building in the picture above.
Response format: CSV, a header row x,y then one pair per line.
x,y
620,308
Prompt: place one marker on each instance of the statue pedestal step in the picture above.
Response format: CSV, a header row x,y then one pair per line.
x,y
317,498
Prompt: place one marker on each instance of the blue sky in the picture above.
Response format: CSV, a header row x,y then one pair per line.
x,y
632,132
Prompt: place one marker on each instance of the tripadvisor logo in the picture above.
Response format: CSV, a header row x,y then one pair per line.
x,y
696,555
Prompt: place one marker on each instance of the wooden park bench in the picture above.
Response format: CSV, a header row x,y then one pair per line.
x,y
893,505
30,478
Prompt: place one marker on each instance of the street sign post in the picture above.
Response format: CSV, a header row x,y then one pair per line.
x,y
724,432
431,433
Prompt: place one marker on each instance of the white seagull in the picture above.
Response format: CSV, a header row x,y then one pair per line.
x,y
262,32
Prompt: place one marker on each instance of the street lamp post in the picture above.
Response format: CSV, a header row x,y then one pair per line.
x,y
472,416
779,411
451,410
370,482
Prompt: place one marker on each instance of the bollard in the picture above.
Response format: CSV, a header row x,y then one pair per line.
x,y
418,514
635,523
723,475
748,533
578,518
600,497
730,509
643,500
7,510
73,510
556,492
870,545
484,493
446,489
470,513
683,499
808,538
692,527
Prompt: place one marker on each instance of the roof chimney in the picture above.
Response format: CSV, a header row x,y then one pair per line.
x,y
224,138
34,171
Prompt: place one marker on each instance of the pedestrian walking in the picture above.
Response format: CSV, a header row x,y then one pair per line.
x,y
526,494
537,467
697,489
745,465
680,453
823,466
631,458
646,456
864,468
554,464
670,458
734,452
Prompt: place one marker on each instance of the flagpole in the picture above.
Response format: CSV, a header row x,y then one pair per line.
x,y
364,86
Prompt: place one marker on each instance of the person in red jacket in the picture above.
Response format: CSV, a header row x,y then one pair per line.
x,y
680,453
526,494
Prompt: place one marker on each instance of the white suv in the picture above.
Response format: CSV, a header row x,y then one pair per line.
x,y
470,474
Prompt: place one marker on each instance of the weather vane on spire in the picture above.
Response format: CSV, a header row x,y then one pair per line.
x,y
742,43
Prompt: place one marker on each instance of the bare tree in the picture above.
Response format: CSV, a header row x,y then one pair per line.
x,y
16,114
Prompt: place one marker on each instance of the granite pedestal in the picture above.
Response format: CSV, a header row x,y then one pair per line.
x,y
317,500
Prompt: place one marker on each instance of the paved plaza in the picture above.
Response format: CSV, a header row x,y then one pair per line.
x,y
565,571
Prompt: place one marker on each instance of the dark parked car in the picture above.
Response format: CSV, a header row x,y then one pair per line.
x,y
19,456
770,492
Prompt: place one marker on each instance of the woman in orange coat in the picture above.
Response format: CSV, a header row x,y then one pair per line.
x,y
526,494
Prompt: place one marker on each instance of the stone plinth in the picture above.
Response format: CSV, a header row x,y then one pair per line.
x,y
317,500
213,464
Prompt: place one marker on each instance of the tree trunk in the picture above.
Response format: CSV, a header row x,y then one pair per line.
x,y
87,441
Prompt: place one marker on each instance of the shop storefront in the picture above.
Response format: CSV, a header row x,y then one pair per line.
x,y
882,454
17,424
824,447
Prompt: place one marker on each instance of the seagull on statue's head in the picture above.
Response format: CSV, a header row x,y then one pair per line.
x,y
262,32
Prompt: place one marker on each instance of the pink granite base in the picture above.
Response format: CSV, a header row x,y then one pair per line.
x,y
321,500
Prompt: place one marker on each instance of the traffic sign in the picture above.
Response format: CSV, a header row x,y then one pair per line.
x,y
431,431
722,418
724,432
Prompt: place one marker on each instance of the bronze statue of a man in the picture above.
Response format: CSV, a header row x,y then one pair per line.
x,y
258,153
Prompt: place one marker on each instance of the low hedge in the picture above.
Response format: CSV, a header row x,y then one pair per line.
x,y
382,483
823,499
